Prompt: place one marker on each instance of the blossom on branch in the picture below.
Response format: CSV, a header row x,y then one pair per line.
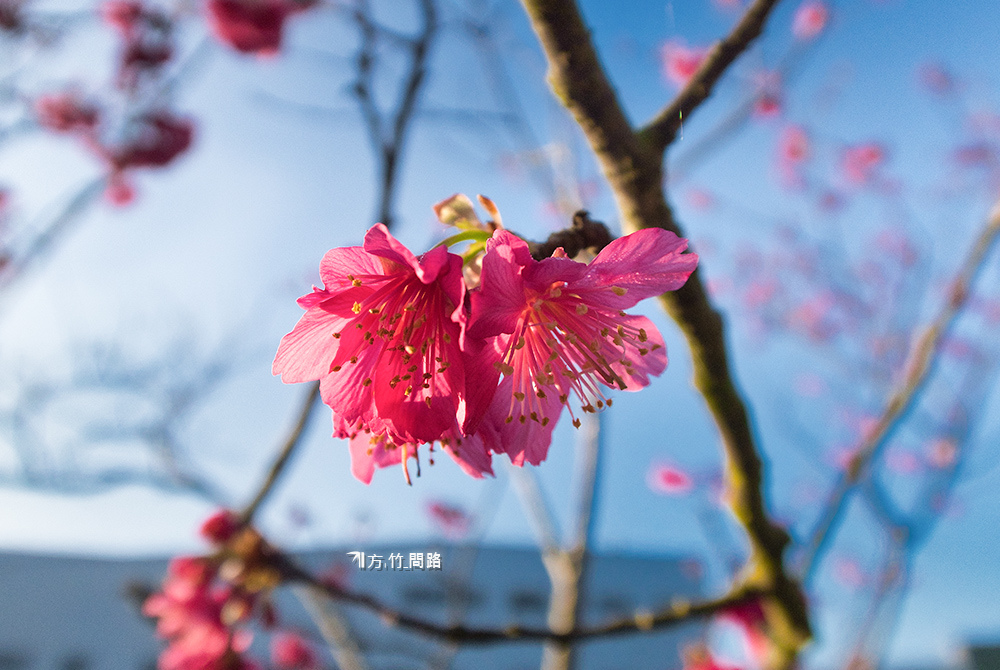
x,y
680,62
66,112
560,324
810,19
409,351
290,651
384,338
252,26
193,615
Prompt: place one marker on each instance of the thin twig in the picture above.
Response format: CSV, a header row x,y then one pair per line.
x,y
672,615
292,440
569,575
333,627
661,131
387,133
51,231
920,363
537,508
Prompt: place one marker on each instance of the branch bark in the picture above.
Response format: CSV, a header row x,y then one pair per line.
x,y
632,163
661,131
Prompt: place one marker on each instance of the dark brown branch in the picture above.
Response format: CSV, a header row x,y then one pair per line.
x,y
292,440
661,131
583,233
633,167
920,363
671,615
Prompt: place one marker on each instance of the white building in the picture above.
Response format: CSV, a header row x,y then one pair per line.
x,y
65,613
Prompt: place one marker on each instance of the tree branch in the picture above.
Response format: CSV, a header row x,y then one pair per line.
x,y
292,440
672,615
387,133
920,363
661,131
633,167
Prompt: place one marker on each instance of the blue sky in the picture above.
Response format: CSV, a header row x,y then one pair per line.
x,y
221,244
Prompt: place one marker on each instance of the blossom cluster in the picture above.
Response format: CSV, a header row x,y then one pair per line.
x,y
410,350
207,604
142,133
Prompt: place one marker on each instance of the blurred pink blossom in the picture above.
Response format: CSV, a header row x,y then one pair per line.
x,y
860,162
679,62
290,651
451,519
668,480
810,19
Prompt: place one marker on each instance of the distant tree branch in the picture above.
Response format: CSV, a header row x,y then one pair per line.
x,y
288,446
661,131
387,131
50,231
917,370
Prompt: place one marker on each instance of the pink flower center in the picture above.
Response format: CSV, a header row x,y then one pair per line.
x,y
561,345
412,322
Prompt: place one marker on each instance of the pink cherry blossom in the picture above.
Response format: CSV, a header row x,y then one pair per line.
x,y
383,337
122,15
848,571
189,610
451,519
942,453
12,16
902,462
896,244
220,527
859,162
976,154
699,657
146,32
66,112
252,26
376,450
291,652
767,105
749,617
700,199
680,62
794,146
810,19
560,326
793,151
936,78
668,480
152,140
522,441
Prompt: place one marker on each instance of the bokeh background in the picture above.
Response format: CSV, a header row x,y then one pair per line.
x,y
135,386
